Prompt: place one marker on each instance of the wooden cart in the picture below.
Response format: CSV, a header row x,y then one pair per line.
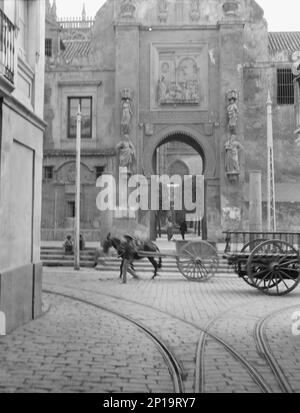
x,y
268,261
196,260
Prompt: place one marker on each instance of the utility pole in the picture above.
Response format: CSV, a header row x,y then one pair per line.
x,y
271,170
77,200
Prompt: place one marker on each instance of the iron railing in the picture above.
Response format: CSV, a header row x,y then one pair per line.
x,y
76,23
7,46
237,240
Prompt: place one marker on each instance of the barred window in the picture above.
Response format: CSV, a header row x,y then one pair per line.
x,y
285,87
48,173
48,47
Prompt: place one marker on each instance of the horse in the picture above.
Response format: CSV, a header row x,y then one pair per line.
x,y
129,250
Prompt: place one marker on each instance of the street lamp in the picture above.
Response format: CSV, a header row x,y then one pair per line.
x,y
77,197
270,168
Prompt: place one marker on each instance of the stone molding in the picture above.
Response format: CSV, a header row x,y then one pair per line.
x,y
196,139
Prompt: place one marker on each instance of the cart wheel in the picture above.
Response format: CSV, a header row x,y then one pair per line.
x,y
240,268
198,261
274,267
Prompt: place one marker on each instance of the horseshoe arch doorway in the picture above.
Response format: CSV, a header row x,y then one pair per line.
x,y
177,153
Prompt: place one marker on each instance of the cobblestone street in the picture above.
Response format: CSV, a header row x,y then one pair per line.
x,y
167,336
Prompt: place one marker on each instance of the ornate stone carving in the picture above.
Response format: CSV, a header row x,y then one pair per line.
x,y
162,10
179,81
232,110
127,9
195,10
231,218
208,129
126,93
231,8
66,174
149,129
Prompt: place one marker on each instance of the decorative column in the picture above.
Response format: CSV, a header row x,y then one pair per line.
x,y
231,48
162,10
127,97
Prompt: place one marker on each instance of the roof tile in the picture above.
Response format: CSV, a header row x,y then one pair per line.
x,y
76,48
284,41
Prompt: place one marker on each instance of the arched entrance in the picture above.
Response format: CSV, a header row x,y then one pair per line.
x,y
182,147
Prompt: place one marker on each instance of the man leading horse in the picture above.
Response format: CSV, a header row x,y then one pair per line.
x,y
128,251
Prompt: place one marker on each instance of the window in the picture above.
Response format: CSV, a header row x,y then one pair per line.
x,y
48,173
285,87
86,117
71,209
99,171
48,47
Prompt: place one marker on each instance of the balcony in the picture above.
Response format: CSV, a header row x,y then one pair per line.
x,y
7,54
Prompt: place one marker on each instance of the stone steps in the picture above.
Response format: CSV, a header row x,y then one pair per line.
x,y
168,267
55,257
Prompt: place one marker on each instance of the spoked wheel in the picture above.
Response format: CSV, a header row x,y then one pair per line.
x,y
241,270
240,267
198,261
274,267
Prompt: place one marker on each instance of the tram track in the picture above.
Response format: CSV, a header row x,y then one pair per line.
x,y
174,367
204,333
263,347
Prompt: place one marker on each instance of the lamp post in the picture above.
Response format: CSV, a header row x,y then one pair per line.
x,y
77,197
271,171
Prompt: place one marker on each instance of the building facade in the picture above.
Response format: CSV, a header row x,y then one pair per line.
x,y
21,151
166,74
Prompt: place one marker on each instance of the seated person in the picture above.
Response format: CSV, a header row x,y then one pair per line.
x,y
68,245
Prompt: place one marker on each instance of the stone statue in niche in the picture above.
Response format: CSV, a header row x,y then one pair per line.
x,y
232,111
296,66
126,152
195,10
127,8
232,150
126,116
162,10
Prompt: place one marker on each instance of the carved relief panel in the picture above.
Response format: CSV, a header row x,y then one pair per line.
x,y
179,76
66,174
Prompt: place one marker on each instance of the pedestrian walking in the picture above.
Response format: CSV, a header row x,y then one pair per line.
x,y
183,229
170,230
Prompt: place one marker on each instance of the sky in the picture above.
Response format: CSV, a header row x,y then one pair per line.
x,y
282,15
